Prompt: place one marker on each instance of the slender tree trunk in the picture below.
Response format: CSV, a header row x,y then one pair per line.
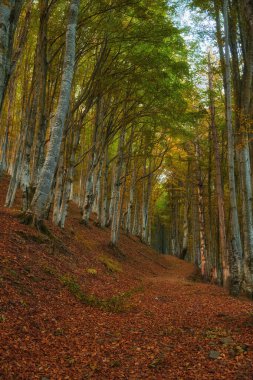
x,y
236,251
9,15
98,191
5,143
219,189
58,190
68,183
131,200
18,156
116,190
104,212
147,188
135,225
184,250
42,71
90,185
246,25
202,234
43,189
111,205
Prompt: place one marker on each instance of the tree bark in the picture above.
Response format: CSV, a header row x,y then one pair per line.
x,y
116,190
202,233
44,186
218,180
236,258
9,15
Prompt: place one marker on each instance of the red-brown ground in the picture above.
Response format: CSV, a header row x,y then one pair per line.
x,y
170,327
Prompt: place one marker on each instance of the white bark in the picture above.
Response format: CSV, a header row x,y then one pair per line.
x,y
131,201
97,207
90,183
68,183
104,212
135,226
202,234
111,205
116,190
58,190
48,171
9,14
145,205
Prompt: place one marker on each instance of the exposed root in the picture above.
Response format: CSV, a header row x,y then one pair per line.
x,y
29,219
116,250
84,223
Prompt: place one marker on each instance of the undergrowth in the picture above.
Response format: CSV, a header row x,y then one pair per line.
x,y
111,265
117,303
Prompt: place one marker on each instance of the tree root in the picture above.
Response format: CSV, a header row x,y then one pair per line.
x,y
116,250
84,223
29,219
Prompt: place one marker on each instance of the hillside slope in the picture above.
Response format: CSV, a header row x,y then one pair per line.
x,y
73,308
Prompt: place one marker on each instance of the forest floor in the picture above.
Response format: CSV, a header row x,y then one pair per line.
x,y
71,307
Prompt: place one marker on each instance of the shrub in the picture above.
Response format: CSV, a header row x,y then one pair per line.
x,y
111,265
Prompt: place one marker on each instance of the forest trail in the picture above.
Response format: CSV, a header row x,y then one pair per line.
x,y
73,308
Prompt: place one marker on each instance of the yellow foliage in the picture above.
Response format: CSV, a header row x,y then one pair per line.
x,y
111,265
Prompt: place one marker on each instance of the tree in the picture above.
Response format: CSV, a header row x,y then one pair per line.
x,y
44,186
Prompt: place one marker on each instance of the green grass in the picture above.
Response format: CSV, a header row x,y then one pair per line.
x,y
48,270
111,265
117,303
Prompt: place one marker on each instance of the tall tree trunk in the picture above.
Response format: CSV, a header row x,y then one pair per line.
x,y
184,250
98,191
18,156
5,144
202,233
69,177
236,251
116,190
136,223
90,185
58,188
44,186
42,71
218,178
9,15
246,26
104,212
146,204
131,200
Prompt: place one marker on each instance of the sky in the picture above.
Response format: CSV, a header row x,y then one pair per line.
x,y
198,31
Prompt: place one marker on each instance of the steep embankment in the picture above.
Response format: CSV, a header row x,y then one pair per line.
x,y
73,308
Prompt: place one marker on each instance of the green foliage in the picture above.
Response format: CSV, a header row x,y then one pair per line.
x,y
71,285
116,303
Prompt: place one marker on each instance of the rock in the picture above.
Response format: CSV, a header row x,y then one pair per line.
x,y
213,354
